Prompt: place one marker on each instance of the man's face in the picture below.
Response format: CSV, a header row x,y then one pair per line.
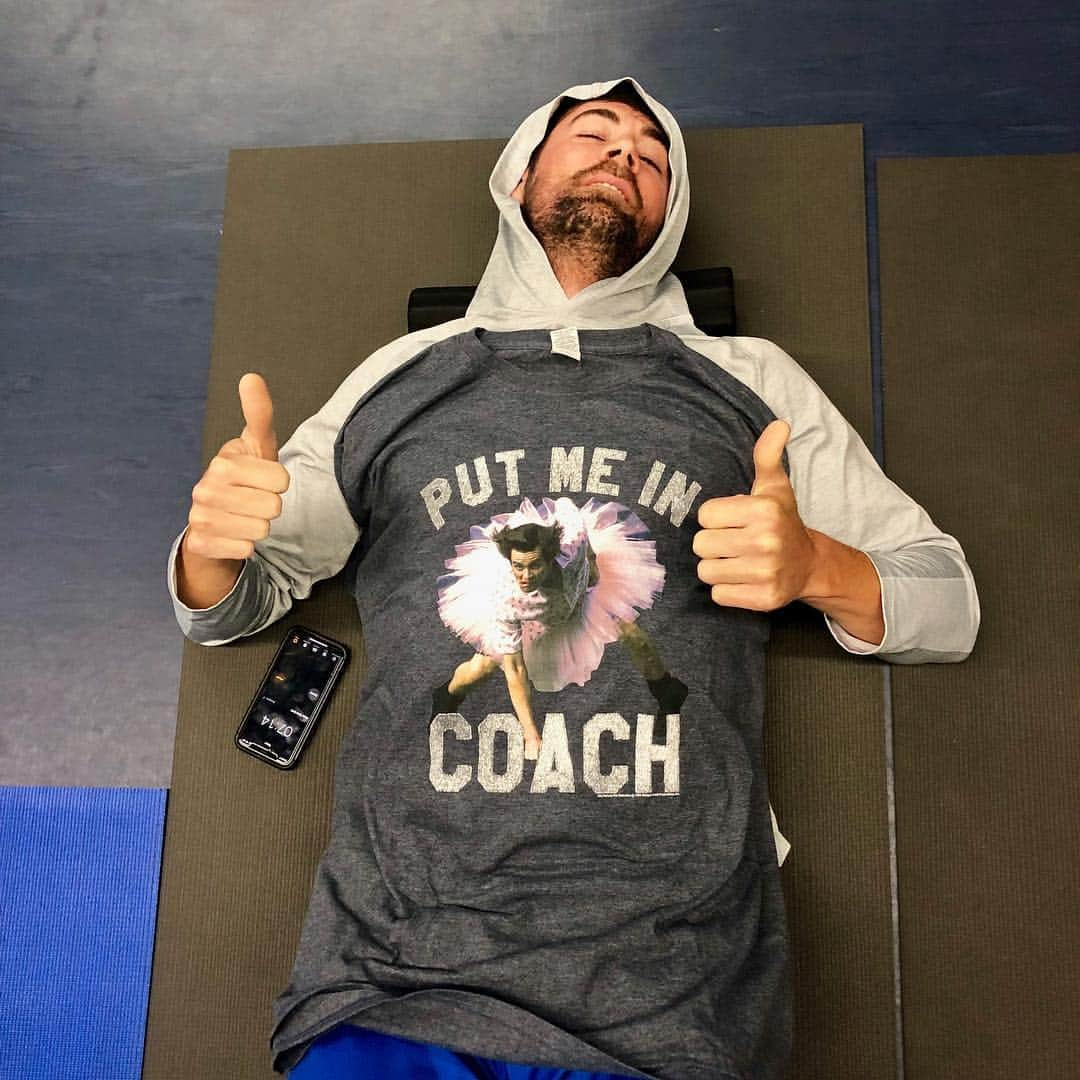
x,y
564,206
529,568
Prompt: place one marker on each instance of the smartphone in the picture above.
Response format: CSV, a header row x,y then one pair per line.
x,y
294,691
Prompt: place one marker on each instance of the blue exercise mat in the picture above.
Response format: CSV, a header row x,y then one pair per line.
x,y
79,874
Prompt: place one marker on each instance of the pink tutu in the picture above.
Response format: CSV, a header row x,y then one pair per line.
x,y
479,594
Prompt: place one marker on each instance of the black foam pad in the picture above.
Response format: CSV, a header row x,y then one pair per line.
x,y
710,295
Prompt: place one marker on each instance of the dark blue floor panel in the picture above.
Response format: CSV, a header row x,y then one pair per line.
x,y
79,872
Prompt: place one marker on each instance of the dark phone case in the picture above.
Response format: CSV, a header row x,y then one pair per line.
x,y
317,712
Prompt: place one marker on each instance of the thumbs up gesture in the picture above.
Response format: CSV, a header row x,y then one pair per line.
x,y
238,496
754,550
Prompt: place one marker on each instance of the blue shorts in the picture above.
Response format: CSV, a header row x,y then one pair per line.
x,y
348,1052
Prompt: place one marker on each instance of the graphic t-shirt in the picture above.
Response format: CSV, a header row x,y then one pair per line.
x,y
614,904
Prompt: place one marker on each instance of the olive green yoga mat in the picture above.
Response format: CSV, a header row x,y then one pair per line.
x,y
980,284
320,250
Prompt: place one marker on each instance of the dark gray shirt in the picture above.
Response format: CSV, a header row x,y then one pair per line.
x,y
614,905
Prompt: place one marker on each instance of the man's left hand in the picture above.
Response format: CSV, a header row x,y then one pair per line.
x,y
755,551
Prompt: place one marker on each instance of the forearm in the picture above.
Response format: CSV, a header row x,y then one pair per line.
x,y
201,582
845,586
517,683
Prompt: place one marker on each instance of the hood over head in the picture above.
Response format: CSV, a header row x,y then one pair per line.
x,y
519,289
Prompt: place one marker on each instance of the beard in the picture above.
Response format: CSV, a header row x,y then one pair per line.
x,y
589,228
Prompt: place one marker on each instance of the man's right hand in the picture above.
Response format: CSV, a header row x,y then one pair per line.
x,y
238,496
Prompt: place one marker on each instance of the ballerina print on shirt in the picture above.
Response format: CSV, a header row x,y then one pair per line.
x,y
540,593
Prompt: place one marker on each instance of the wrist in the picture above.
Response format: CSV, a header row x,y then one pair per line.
x,y
827,564
844,584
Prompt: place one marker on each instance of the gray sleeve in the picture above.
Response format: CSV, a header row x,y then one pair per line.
x,y
929,602
236,614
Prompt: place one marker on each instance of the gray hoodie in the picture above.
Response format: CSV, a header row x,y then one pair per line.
x,y
635,923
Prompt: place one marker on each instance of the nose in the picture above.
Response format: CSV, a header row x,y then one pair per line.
x,y
633,161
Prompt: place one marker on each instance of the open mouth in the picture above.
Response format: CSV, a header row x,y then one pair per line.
x,y
608,187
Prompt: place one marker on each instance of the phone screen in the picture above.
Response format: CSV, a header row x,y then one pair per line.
x,y
291,696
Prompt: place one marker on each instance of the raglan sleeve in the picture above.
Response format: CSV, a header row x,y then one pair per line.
x,y
929,601
310,540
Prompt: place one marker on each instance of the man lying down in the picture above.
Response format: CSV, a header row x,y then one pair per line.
x,y
567,516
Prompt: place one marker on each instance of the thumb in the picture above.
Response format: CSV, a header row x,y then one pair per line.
x,y
258,435
768,457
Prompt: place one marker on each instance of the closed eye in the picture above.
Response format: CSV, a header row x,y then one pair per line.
x,y
642,156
